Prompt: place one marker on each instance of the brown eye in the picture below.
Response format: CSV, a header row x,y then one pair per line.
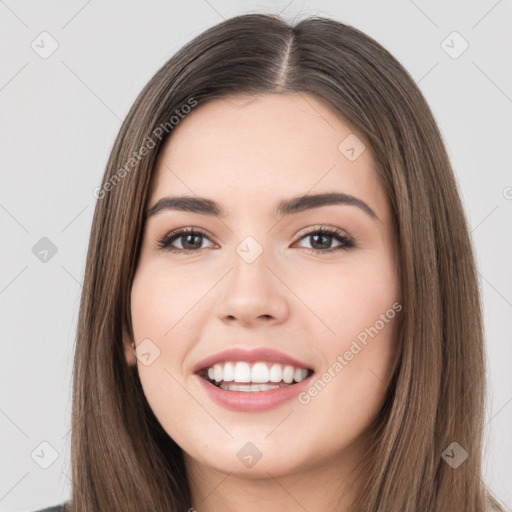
x,y
321,240
189,238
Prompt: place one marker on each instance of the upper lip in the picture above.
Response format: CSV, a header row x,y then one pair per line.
x,y
249,356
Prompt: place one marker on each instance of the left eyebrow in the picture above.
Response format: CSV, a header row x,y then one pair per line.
x,y
205,206
307,202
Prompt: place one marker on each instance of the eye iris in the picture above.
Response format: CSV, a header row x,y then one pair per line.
x,y
323,237
192,246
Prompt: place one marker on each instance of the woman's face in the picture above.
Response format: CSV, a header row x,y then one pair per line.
x,y
261,281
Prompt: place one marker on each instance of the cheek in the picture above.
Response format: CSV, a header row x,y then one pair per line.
x,y
162,309
347,393
349,300
160,299
153,309
154,313
360,305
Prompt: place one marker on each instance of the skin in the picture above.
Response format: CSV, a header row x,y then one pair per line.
x,y
249,154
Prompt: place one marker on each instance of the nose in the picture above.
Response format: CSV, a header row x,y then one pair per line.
x,y
252,294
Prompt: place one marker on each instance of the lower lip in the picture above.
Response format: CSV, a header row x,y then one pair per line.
x,y
253,401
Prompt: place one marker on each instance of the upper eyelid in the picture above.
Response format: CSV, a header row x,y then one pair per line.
x,y
319,227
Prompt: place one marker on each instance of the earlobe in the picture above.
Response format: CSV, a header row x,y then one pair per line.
x,y
129,349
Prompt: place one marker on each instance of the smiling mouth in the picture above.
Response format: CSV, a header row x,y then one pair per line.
x,y
250,377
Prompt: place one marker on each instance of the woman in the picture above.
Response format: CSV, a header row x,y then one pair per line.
x,y
221,363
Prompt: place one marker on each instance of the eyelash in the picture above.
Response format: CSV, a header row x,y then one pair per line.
x,y
347,241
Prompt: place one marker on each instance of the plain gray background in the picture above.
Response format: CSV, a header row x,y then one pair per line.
x,y
59,118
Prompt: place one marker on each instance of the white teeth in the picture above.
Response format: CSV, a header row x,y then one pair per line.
x,y
259,373
217,372
300,374
259,376
288,374
246,387
229,372
276,373
242,372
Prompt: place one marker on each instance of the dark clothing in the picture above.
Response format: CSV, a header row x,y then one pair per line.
x,y
55,508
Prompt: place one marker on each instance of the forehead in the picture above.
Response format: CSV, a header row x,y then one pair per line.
x,y
265,147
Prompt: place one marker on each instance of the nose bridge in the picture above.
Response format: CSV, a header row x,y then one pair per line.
x,y
252,291
250,270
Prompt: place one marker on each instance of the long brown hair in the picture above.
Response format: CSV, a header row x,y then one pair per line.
x,y
122,459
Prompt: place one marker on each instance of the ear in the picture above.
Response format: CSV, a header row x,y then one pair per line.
x,y
129,350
